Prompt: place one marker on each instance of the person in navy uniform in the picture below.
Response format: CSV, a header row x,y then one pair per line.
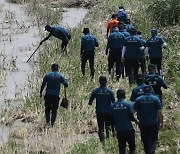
x,y
142,60
104,98
128,25
121,14
154,48
138,91
156,81
131,55
114,51
88,44
52,81
60,33
149,113
122,112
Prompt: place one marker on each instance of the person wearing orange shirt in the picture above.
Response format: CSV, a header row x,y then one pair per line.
x,y
112,23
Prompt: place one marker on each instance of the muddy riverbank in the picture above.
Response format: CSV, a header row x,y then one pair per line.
x,y
19,37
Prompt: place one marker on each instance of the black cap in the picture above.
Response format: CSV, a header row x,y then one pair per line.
x,y
102,79
54,66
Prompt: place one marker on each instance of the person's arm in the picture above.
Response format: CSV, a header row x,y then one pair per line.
x,y
65,83
46,38
43,85
163,83
160,118
123,53
132,118
92,97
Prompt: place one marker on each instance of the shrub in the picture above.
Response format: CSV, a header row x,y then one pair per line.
x,y
165,12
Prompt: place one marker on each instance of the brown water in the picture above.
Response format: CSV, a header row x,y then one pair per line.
x,y
18,39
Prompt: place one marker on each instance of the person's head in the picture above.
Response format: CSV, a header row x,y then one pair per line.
x,y
48,28
152,68
128,21
121,8
138,33
54,67
140,79
115,29
133,31
86,31
121,25
153,32
147,89
114,16
102,80
121,94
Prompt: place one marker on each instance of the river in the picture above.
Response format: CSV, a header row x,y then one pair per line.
x,y
18,38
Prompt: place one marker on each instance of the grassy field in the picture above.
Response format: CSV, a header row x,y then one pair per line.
x,y
80,118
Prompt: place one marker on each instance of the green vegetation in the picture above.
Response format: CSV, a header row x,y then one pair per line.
x,y
80,117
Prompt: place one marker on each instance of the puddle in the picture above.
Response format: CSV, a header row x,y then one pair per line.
x,y
18,39
73,16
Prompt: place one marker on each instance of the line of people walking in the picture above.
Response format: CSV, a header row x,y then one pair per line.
x,y
128,51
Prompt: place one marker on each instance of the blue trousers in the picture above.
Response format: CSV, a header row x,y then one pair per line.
x,y
123,137
104,121
51,106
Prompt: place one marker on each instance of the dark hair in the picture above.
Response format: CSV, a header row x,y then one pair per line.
x,y
133,31
140,79
151,67
121,7
114,15
128,21
139,32
147,89
121,94
86,30
102,80
153,32
47,27
54,67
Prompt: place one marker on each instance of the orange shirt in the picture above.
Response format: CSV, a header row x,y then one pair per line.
x,y
111,23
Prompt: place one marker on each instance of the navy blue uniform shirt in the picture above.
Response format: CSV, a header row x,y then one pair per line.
x,y
53,80
147,107
122,16
137,91
122,112
115,40
125,33
154,45
58,32
88,43
104,98
133,45
156,82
